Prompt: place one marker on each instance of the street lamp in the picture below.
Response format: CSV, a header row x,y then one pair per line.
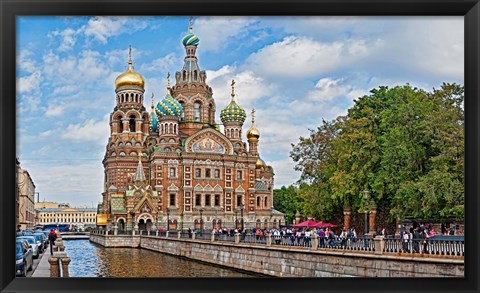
x,y
201,220
241,214
365,204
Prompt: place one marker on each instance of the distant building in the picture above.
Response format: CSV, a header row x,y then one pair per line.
x,y
26,210
85,217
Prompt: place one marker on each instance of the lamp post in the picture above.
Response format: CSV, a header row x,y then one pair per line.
x,y
241,214
365,205
201,220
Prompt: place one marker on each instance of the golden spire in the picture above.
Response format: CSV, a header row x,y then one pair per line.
x,y
190,28
233,90
253,134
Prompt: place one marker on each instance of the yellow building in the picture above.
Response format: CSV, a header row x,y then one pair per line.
x,y
80,217
50,205
26,190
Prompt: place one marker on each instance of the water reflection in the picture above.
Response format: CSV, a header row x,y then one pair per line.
x,y
92,260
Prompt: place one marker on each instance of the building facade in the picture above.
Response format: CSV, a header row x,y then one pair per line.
x,y
174,165
26,210
80,217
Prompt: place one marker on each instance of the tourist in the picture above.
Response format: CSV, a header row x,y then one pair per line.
x,y
189,233
277,236
308,234
406,239
52,236
321,234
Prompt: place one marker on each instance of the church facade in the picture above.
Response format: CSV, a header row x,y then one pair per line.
x,y
173,168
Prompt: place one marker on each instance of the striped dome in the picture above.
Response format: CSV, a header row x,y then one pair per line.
x,y
233,113
190,40
153,121
169,107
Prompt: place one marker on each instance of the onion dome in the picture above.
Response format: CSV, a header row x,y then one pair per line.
x,y
169,106
233,112
253,133
260,163
190,39
153,118
129,77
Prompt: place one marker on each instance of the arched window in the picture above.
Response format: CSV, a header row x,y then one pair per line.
x,y
258,201
265,205
182,117
132,123
120,118
184,75
196,111
195,75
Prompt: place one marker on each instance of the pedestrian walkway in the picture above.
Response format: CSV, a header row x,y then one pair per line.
x,y
43,268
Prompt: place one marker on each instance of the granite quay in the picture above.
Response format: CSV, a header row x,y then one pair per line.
x,y
375,259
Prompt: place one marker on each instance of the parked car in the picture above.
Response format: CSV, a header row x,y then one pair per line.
x,y
39,237
23,257
31,241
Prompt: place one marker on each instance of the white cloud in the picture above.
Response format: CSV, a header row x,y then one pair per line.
x,y
215,33
68,38
285,175
55,110
298,56
88,131
102,28
25,63
161,65
29,83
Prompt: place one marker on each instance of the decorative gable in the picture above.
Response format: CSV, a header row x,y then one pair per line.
x,y
209,141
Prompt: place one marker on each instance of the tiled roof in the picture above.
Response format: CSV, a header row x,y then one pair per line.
x,y
260,186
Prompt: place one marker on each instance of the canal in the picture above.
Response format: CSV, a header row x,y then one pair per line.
x,y
92,260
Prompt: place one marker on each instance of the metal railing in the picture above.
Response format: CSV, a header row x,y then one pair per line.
x,y
425,246
452,247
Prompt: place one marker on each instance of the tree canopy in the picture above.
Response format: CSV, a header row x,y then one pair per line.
x,y
404,145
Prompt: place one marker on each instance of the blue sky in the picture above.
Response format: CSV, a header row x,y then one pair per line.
x,y
295,71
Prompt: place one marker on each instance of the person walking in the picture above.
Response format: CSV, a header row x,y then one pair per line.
x,y
52,236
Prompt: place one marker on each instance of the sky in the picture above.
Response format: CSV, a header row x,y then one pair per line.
x,y
295,72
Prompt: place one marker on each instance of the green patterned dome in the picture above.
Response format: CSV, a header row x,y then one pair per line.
x,y
233,113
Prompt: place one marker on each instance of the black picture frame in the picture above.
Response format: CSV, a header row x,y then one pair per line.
x,y
9,9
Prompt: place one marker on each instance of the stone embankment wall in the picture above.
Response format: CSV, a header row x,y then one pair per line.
x,y
116,241
297,262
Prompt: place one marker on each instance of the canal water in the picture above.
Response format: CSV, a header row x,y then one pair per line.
x,y
92,260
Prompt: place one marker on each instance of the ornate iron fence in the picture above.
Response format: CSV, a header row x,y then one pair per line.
x,y
426,246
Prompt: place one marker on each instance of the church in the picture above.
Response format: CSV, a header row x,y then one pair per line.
x,y
173,168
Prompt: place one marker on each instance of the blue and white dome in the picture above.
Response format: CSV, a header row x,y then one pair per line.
x,y
153,121
190,40
169,107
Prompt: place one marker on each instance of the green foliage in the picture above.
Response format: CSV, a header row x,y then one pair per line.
x,y
404,145
286,201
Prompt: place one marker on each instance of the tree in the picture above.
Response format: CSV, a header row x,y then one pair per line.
x,y
404,145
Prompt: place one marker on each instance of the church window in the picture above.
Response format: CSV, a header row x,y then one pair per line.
x,y
239,200
196,111
198,172
265,204
207,173
198,199
182,117
132,123
207,200
236,133
217,173
172,172
258,201
172,199
217,200
195,75
184,75
239,175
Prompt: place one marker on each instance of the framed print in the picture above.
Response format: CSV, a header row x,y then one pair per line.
x,y
179,146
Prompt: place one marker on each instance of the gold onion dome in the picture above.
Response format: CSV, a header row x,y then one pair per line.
x,y
260,163
129,77
253,133
233,112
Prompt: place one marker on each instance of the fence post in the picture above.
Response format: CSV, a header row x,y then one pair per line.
x,y
379,244
193,236
179,234
315,241
156,233
115,229
269,239
65,262
166,234
237,237
54,273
